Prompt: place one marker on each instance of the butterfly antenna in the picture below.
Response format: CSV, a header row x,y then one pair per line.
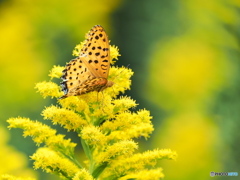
x,y
102,102
97,96
102,98
113,89
120,72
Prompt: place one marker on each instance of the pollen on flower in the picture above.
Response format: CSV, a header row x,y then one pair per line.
x,y
145,115
128,125
48,89
77,49
123,104
52,162
166,154
93,136
56,72
66,118
151,174
122,148
107,107
10,177
74,103
42,133
91,97
114,53
82,174
121,78
138,162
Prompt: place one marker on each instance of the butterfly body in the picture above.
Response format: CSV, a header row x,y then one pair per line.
x,y
89,71
95,84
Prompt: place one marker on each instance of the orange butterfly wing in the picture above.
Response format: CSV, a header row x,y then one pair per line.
x,y
90,70
95,53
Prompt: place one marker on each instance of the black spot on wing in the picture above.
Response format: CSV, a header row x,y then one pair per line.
x,y
104,67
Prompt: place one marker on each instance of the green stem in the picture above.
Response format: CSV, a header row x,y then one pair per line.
x,y
87,150
74,160
97,171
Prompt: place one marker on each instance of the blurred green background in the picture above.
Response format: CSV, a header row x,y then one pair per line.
x,y
185,55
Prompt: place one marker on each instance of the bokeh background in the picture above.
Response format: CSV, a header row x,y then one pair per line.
x,y
185,55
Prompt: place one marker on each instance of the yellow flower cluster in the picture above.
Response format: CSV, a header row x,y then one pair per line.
x,y
105,125
138,163
52,162
65,117
56,72
152,174
42,133
48,89
10,177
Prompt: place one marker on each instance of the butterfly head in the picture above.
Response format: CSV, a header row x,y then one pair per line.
x,y
109,84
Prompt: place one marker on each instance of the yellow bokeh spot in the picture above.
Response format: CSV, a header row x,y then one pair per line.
x,y
186,71
192,135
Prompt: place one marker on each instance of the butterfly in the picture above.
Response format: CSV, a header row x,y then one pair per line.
x,y
89,71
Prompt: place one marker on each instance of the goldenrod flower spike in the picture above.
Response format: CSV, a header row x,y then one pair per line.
x,y
114,53
56,72
66,118
77,49
105,125
152,174
48,89
119,149
10,177
129,125
138,162
93,136
83,174
42,133
52,162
